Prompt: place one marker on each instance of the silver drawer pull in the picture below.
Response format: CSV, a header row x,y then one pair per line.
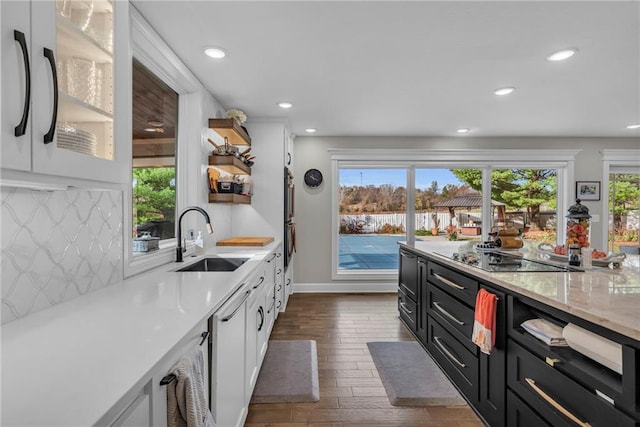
x,y
446,313
404,308
229,317
555,404
448,353
449,282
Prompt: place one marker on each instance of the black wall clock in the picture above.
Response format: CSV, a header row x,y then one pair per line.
x,y
313,177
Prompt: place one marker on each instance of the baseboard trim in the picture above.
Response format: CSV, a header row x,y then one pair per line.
x,y
344,287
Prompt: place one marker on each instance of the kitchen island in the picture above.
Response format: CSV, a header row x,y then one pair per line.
x,y
84,361
524,381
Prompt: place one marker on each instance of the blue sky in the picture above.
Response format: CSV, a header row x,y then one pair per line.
x,y
396,177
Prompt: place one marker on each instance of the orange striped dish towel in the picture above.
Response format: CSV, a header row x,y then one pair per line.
x,y
484,324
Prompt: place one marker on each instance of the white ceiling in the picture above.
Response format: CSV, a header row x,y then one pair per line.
x,y
416,68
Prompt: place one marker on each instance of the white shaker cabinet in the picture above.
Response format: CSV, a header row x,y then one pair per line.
x,y
288,149
66,70
272,298
146,404
15,150
288,282
279,273
138,412
256,336
228,385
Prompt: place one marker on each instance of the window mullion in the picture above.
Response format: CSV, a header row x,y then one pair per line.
x,y
486,202
411,205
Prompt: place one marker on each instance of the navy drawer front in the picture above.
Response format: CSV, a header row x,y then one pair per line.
x,y
451,313
459,363
409,277
456,284
547,390
519,414
408,310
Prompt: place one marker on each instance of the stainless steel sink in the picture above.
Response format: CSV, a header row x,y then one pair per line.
x,y
215,264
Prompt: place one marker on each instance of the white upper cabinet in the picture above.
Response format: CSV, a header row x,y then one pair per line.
x,y
15,146
60,72
288,149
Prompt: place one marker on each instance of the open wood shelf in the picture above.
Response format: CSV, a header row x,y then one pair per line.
x,y
231,198
230,164
232,130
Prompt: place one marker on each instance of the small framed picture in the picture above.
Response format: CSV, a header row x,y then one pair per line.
x,y
588,190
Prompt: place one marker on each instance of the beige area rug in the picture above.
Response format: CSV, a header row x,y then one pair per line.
x,y
410,377
289,373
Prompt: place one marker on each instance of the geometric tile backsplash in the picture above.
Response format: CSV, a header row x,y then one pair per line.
x,y
57,245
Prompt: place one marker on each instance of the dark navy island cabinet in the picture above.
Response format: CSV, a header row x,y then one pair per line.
x,y
523,383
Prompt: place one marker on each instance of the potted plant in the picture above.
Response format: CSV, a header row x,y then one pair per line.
x,y
452,232
436,224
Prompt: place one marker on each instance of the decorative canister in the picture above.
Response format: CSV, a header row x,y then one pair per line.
x,y
146,243
578,224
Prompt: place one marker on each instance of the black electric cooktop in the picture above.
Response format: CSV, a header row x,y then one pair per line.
x,y
497,261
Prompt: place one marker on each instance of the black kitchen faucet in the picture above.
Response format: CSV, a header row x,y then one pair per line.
x,y
179,248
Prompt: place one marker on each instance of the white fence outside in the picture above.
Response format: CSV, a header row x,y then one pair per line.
x,y
371,223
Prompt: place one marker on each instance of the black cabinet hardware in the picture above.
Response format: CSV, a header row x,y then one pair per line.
x,y
48,137
21,129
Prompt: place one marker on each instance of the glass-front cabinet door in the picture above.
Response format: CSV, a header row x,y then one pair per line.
x,y
75,130
84,64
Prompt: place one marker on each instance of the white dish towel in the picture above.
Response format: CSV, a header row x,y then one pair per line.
x,y
595,347
548,332
186,396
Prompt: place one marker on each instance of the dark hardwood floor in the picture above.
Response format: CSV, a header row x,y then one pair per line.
x,y
351,393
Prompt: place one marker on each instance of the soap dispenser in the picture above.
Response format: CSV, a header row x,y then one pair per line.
x,y
199,244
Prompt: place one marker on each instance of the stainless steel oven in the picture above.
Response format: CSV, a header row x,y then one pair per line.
x,y
289,212
289,195
289,242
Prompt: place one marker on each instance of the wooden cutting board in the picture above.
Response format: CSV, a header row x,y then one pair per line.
x,y
245,241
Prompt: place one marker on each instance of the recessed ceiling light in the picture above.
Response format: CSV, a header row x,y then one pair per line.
x,y
463,130
285,105
215,52
561,55
633,126
311,130
155,123
156,130
504,91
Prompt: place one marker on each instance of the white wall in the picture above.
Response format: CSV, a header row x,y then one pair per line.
x,y
265,215
313,206
199,107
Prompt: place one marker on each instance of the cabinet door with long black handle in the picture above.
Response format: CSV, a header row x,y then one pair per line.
x,y
17,85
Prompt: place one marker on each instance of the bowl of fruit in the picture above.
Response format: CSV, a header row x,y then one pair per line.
x,y
560,253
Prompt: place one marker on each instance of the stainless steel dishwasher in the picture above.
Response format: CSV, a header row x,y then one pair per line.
x,y
227,328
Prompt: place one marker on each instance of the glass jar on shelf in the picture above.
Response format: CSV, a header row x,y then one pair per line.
x,y
84,47
578,226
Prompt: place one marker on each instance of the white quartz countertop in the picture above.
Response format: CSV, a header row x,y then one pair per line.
x,y
69,364
609,298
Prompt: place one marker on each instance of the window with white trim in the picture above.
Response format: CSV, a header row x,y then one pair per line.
x,y
555,170
621,199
